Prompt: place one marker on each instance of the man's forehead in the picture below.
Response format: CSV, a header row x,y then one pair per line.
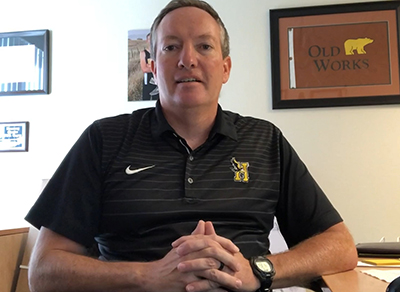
x,y
202,25
190,14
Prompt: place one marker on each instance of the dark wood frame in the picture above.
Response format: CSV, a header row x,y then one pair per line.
x,y
278,69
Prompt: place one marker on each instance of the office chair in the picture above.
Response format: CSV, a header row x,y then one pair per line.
x,y
394,286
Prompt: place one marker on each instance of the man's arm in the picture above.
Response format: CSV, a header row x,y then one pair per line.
x,y
331,251
59,264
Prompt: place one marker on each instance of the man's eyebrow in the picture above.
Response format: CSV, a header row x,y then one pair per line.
x,y
205,36
170,37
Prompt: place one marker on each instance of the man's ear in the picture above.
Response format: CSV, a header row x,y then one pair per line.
x,y
227,69
153,68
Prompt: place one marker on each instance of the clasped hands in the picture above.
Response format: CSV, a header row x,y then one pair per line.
x,y
194,264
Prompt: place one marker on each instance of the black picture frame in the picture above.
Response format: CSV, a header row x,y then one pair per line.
x,y
25,59
284,25
14,136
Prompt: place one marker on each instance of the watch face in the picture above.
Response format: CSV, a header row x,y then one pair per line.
x,y
263,266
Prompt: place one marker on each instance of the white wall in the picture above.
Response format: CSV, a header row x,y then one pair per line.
x,y
353,152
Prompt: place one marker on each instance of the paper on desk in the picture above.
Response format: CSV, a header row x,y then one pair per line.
x,y
387,275
388,264
362,264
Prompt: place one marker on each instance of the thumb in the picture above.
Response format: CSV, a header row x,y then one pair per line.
x,y
209,228
200,228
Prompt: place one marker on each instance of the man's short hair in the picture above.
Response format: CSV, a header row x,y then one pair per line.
x,y
175,4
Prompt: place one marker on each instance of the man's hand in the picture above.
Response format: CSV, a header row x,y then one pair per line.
x,y
202,253
193,263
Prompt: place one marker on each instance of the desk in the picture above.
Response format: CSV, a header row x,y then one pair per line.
x,y
354,281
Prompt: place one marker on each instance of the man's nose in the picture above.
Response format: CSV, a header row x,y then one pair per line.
x,y
188,57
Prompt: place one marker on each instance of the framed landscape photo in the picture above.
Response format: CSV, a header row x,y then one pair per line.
x,y
24,59
14,137
141,83
335,55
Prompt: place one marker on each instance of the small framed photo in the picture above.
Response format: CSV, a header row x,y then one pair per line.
x,y
24,59
14,137
335,55
141,83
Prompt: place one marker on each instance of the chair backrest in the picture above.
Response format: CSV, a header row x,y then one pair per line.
x,y
394,286
12,243
22,283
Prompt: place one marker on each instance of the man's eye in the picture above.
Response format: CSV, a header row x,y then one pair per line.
x,y
206,47
169,48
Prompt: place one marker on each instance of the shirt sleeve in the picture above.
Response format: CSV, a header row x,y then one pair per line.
x,y
303,209
70,203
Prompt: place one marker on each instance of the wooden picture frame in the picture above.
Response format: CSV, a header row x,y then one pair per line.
x,y
335,55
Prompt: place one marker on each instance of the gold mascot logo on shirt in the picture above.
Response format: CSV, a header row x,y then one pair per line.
x,y
241,170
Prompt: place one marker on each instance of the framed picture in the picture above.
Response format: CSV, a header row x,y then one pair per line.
x,y
141,83
335,55
14,137
24,59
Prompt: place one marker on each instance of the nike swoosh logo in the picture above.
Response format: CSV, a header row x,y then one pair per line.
x,y
129,171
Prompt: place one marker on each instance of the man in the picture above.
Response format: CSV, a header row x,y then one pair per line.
x,y
179,197
150,89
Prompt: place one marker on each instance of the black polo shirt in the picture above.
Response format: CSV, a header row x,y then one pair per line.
x,y
131,184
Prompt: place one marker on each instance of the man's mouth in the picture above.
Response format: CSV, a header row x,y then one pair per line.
x,y
186,80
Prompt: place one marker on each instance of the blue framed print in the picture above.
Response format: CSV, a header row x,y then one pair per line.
x,y
14,137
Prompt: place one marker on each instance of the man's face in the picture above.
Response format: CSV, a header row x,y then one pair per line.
x,y
189,66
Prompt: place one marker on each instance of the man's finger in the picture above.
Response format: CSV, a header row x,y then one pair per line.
x,y
209,228
200,228
192,243
208,259
219,281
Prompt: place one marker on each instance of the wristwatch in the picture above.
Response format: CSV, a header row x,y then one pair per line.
x,y
264,271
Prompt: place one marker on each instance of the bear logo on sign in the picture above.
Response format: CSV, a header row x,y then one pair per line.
x,y
351,45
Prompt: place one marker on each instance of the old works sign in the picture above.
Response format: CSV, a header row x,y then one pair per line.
x,y
339,55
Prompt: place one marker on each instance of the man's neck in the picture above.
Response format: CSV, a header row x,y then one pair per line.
x,y
194,125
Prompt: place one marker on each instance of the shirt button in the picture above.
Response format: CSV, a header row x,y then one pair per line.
x,y
190,180
191,200
191,158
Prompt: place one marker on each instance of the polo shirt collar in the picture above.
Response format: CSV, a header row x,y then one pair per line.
x,y
224,124
160,125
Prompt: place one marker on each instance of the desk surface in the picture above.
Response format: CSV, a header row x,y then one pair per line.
x,y
354,281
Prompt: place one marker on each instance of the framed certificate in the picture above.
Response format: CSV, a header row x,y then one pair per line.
x,y
335,55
